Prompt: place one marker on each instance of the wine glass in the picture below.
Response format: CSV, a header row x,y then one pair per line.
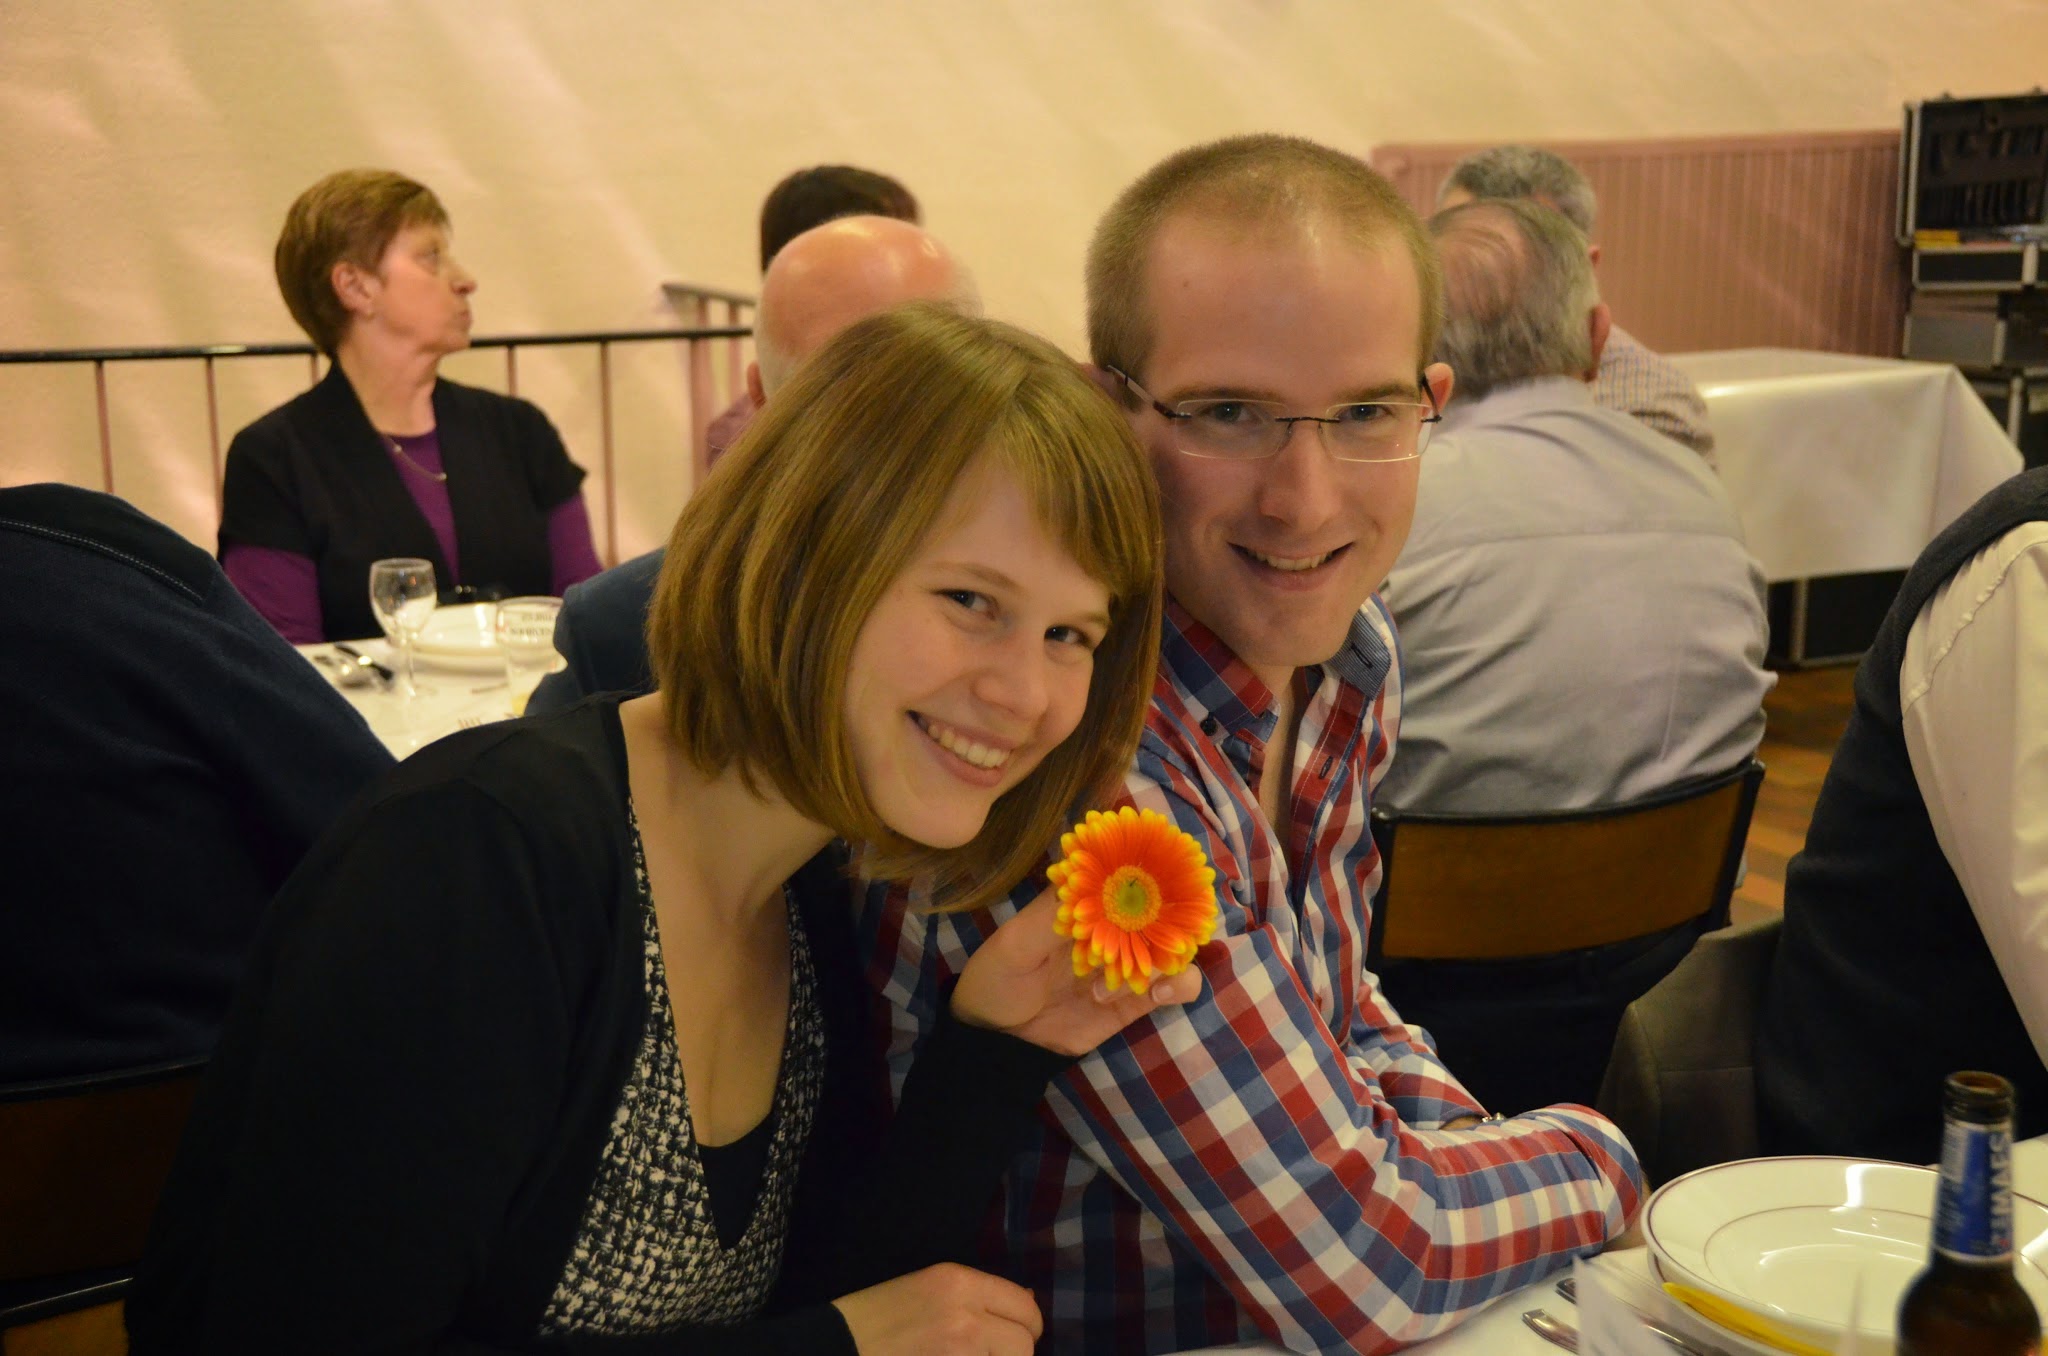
x,y
402,595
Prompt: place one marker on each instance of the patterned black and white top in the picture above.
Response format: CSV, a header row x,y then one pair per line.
x,y
648,1257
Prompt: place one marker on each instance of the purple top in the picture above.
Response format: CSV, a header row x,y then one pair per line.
x,y
725,430
285,586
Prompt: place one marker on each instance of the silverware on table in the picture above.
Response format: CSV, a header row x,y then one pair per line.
x,y
344,671
1560,1333
1569,1288
364,662
1552,1330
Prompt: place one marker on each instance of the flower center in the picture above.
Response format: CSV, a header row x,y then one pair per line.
x,y
1130,898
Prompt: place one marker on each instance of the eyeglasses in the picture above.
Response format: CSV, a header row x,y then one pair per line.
x,y
1232,429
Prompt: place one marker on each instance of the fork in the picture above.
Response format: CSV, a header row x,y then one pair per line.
x,y
468,722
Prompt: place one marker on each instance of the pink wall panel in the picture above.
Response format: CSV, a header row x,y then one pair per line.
x,y
1732,242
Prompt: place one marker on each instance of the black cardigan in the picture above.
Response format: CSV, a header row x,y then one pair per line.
x,y
348,1184
314,478
1883,983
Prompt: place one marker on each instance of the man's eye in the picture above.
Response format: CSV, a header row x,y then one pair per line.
x,y
1363,414
1229,414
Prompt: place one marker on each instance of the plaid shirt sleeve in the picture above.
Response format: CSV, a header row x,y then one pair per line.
x,y
1650,388
1303,1167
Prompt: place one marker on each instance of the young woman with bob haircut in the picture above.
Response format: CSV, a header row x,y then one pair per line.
x,y
558,1040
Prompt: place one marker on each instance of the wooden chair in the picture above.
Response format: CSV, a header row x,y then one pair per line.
x,y
1682,1080
82,1161
1518,940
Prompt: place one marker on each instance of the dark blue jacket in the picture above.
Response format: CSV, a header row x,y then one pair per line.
x,y
601,632
165,762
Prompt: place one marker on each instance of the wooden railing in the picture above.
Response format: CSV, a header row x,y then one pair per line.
x,y
697,305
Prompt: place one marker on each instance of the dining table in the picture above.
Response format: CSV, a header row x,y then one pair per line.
x,y
1498,1329
454,695
1841,463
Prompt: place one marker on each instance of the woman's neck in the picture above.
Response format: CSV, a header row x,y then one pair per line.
x,y
728,847
396,390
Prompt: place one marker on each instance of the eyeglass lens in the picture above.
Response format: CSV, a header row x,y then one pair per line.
x,y
1378,431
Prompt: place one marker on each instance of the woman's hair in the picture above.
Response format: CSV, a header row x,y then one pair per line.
x,y
779,559
351,216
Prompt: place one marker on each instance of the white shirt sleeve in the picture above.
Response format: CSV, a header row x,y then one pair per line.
x,y
1973,692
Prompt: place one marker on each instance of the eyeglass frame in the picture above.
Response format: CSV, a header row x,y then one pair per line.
x,y
1435,416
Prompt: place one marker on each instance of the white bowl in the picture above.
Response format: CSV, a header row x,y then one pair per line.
x,y
1789,1238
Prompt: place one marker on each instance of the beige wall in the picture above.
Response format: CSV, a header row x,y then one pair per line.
x,y
590,150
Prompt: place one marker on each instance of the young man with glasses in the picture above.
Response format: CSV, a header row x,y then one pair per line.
x,y
1282,1158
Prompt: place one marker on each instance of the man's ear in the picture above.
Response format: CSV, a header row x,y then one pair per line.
x,y
1593,255
754,391
1440,380
1598,323
1107,380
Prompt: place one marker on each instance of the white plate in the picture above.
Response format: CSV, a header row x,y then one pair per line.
x,y
1788,1238
461,635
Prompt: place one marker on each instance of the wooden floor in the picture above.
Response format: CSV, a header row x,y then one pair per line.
x,y
1806,714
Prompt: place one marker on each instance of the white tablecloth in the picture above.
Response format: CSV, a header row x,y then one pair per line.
x,y
1841,464
1499,1329
453,698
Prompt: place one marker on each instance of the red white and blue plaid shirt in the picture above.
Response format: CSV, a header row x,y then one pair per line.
x,y
1265,1162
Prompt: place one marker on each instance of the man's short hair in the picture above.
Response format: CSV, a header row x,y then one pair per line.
x,y
1517,290
352,216
778,561
822,193
1526,172
1260,182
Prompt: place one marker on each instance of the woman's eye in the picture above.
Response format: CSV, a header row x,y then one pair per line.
x,y
969,599
1072,635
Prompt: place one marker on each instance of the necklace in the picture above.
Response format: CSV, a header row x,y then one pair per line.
x,y
438,477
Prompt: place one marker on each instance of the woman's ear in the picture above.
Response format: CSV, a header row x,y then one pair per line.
x,y
355,288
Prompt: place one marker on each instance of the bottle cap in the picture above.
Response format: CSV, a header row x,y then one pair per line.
x,y
1978,1098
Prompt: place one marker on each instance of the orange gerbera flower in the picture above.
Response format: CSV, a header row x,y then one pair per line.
x,y
1136,895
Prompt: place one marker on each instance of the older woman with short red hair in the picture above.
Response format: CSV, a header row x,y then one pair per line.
x,y
383,457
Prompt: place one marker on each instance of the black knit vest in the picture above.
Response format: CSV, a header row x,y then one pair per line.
x,y
1883,983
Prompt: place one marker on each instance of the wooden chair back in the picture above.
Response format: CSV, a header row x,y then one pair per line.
x,y
99,1328
1471,887
81,1164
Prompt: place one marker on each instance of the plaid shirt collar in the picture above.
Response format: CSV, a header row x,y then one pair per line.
x,y
1223,686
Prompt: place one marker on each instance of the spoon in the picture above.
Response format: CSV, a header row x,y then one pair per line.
x,y
366,669
1552,1330
345,672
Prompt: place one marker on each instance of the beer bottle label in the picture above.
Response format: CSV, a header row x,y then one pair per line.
x,y
1973,1204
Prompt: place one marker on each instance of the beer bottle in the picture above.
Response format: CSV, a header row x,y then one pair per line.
x,y
1968,1302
